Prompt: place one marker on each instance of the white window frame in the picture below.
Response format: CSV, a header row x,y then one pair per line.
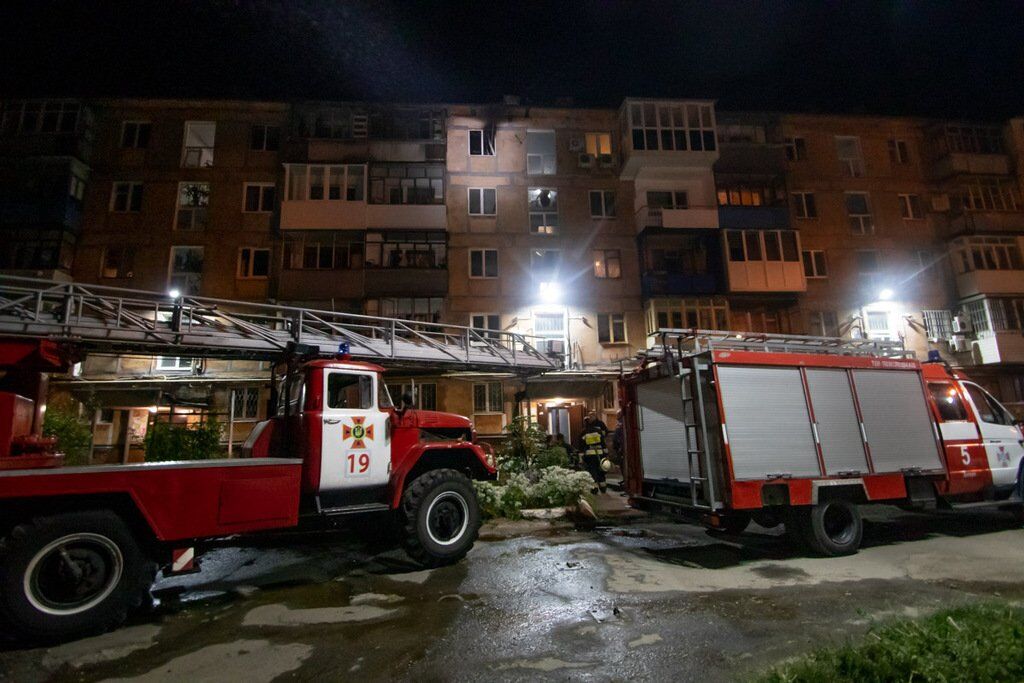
x,y
673,121
907,207
240,275
483,142
603,194
553,155
852,166
865,221
261,203
483,264
873,332
135,137
483,203
293,191
131,186
482,321
245,393
173,363
609,320
899,151
800,206
193,210
489,407
819,321
548,216
203,154
810,256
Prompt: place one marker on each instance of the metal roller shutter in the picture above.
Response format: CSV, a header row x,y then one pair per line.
x,y
767,422
662,437
838,428
896,420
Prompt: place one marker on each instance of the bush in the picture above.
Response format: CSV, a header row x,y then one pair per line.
x,y
553,487
524,442
555,456
973,643
74,437
166,441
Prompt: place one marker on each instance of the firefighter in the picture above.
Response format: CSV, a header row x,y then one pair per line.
x,y
593,449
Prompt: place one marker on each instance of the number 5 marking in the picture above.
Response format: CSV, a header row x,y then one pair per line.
x,y
965,455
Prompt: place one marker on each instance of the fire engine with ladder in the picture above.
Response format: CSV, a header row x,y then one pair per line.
x,y
81,545
796,430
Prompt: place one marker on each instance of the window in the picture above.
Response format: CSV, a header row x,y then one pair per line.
x,y
543,210
26,118
421,309
487,398
259,197
424,394
407,183
823,323
803,205
704,314
598,144
198,144
481,142
741,133
672,126
193,200
540,152
987,253
549,325
878,322
135,134
947,400
602,204
971,140
867,261
989,194
118,262
76,188
245,403
858,209
607,264
545,264
658,200
486,321
750,194
482,201
349,392
910,206
126,197
186,272
176,363
898,154
264,138
814,263
997,315
406,249
762,245
253,263
796,149
322,250
989,409
483,263
938,324
611,328
850,160
691,257
337,183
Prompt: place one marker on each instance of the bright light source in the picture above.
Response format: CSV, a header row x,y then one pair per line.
x,y
885,294
152,409
550,292
174,293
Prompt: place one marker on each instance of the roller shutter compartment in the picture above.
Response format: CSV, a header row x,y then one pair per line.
x,y
836,416
662,433
899,429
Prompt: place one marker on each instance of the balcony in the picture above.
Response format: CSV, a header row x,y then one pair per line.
x,y
306,285
325,150
982,222
998,347
761,217
418,282
656,283
960,163
662,135
751,158
766,276
991,282
405,216
701,218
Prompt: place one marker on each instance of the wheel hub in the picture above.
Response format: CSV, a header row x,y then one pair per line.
x,y
447,518
73,574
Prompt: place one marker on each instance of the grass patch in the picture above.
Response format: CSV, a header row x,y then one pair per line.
x,y
982,642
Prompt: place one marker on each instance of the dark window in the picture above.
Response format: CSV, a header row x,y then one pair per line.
x,y
260,198
989,409
135,134
265,138
947,400
483,263
481,142
352,392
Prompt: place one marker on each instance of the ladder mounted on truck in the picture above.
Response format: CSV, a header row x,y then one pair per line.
x,y
688,342
102,319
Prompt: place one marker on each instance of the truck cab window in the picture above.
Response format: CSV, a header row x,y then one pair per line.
x,y
352,392
947,400
383,396
989,409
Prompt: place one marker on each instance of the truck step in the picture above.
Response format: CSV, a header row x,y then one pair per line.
x,y
354,509
1012,500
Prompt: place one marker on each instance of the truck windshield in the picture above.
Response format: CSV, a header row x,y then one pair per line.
x,y
383,396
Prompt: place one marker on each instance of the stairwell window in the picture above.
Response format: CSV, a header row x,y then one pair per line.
x,y
545,264
193,202
851,161
126,197
253,263
602,204
611,328
481,142
607,264
483,263
815,265
540,152
135,134
543,210
198,144
259,197
482,201
487,398
858,209
910,207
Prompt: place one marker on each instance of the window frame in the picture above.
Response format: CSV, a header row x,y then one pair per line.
x,y
811,257
264,138
853,167
202,150
547,225
125,266
803,210
139,126
483,251
899,152
488,404
602,258
133,196
483,202
798,145
603,196
251,275
484,137
553,155
192,209
261,197
606,324
908,201
865,221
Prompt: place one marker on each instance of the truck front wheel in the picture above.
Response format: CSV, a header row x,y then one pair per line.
x,y
442,517
71,575
832,528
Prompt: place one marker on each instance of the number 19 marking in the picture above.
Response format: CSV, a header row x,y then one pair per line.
x,y
358,464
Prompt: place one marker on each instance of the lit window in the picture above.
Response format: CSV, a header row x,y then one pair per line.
x,y
607,263
186,271
543,210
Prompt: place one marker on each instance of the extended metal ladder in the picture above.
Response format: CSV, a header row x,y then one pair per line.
x,y
113,320
701,479
689,341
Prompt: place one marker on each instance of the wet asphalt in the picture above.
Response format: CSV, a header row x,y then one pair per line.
x,y
651,600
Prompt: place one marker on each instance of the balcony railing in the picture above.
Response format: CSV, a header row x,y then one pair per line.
x,y
693,217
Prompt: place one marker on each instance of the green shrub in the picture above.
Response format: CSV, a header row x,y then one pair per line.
x,y
973,643
553,487
524,441
74,437
166,441
556,456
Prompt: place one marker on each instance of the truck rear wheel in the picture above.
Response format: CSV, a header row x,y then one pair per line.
x,y
442,517
71,575
832,528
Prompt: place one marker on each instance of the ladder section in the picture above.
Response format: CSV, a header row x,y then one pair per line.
x,y
112,320
687,342
702,485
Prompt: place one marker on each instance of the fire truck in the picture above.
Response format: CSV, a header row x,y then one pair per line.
x,y
81,545
786,429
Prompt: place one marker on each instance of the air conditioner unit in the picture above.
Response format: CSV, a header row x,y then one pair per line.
x,y
606,160
959,345
586,160
554,347
962,324
575,143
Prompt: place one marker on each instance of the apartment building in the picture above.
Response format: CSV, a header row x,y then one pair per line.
x,y
584,229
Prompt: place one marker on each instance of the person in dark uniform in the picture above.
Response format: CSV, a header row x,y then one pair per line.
x,y
593,449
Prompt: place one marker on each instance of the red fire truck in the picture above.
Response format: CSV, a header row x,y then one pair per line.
x,y
794,430
80,545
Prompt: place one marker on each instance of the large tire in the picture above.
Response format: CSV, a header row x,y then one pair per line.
x,y
833,528
71,575
442,517
734,523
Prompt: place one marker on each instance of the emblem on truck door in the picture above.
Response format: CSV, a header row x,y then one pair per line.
x,y
358,432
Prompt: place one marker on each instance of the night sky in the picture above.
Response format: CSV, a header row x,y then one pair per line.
x,y
910,57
